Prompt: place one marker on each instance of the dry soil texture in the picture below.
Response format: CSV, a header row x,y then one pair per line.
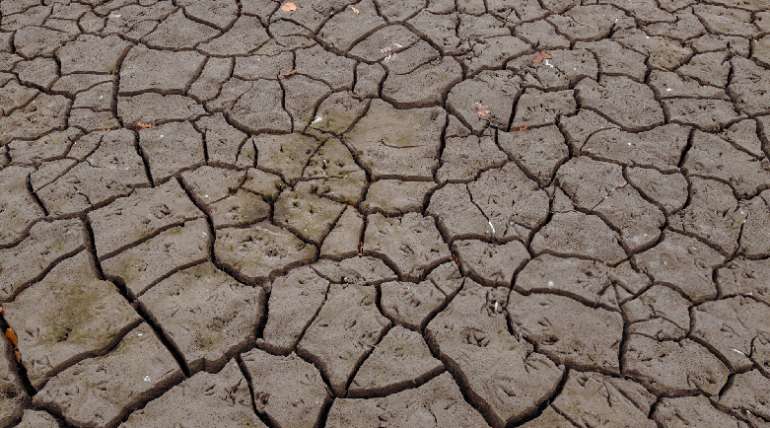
x,y
385,213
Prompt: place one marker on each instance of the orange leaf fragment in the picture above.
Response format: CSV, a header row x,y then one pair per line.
x,y
482,111
11,336
17,354
540,57
288,6
143,125
520,128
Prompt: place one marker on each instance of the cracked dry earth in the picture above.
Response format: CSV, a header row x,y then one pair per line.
x,y
385,213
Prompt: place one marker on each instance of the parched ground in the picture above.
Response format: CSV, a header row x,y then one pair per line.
x,y
385,213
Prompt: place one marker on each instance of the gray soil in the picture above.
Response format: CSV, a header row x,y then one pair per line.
x,y
385,213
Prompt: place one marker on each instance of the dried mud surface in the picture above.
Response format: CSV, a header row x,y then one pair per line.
x,y
385,213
